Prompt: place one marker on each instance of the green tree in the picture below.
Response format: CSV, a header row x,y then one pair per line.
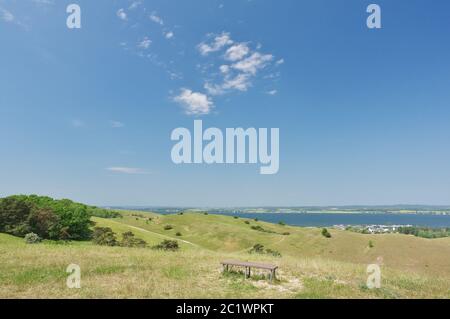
x,y
14,215
104,236
128,240
170,245
45,223
326,233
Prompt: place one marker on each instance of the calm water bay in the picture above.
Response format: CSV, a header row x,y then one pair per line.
x,y
327,219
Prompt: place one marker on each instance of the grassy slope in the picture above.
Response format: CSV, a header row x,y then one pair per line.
x,y
311,266
226,234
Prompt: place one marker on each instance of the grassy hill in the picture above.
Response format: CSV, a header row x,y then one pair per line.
x,y
311,265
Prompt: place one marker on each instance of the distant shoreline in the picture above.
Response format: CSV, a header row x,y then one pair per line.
x,y
163,210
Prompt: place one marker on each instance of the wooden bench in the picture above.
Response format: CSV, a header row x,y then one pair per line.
x,y
248,266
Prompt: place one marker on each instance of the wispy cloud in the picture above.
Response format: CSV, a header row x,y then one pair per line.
x,y
145,43
218,42
116,124
253,63
128,170
6,15
44,2
157,19
134,5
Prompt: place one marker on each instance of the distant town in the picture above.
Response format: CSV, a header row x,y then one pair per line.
x,y
372,229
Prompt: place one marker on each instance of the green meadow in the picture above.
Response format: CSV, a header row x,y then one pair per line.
x,y
310,266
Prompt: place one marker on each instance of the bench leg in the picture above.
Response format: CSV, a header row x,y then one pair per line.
x,y
272,275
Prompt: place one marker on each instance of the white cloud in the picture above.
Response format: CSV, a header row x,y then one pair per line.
x,y
237,52
156,19
245,64
217,44
272,92
175,75
122,14
169,35
127,170
134,5
279,62
214,89
116,124
6,16
195,103
253,63
240,82
44,2
224,69
145,43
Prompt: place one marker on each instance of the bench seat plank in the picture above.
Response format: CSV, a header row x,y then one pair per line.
x,y
249,264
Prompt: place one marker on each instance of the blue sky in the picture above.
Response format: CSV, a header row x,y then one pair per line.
x,y
363,114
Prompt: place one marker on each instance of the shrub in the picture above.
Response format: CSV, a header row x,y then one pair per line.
x,y
104,236
181,214
168,245
259,228
371,245
256,219
247,222
272,252
128,240
286,233
258,249
236,217
178,234
325,233
168,227
205,213
32,238
281,223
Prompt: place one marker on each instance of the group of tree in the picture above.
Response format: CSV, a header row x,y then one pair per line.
x,y
48,218
106,237
425,232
